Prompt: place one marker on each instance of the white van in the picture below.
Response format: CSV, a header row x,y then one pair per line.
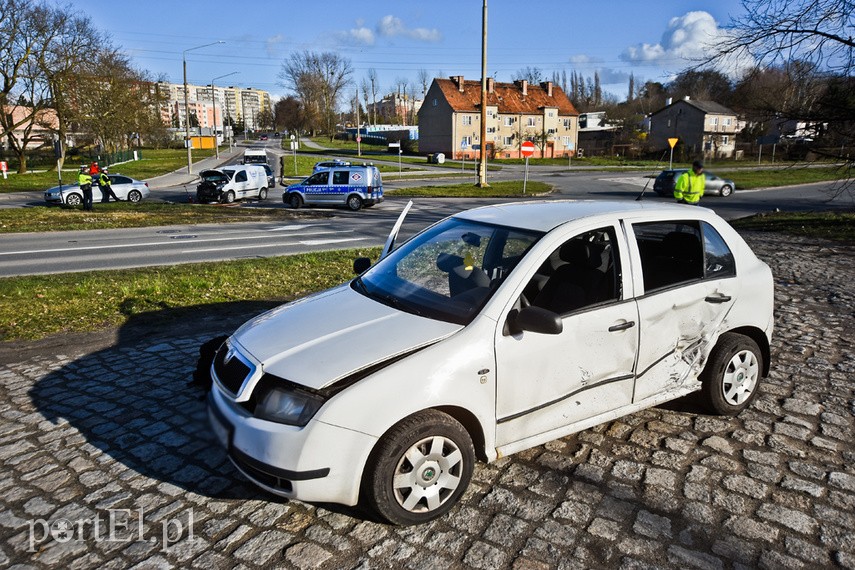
x,y
255,156
344,185
233,182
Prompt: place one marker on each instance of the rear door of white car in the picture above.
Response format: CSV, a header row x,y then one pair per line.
x,y
686,288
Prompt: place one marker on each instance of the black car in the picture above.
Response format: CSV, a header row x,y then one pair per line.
x,y
664,183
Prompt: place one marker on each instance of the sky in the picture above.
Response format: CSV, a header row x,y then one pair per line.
x,y
652,40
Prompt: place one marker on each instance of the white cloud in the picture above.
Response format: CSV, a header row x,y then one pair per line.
x,y
582,59
688,39
360,35
391,26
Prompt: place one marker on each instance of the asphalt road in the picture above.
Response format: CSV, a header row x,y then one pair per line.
x,y
324,229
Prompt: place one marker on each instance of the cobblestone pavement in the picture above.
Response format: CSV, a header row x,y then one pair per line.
x,y
108,462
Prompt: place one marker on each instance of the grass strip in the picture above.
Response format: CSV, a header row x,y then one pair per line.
x,y
35,307
838,226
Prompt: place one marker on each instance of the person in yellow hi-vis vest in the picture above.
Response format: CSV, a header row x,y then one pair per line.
x,y
690,185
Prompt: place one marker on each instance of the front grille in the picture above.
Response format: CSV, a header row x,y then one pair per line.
x,y
231,374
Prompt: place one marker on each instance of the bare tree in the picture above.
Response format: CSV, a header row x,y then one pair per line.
x,y
533,75
423,78
375,86
318,79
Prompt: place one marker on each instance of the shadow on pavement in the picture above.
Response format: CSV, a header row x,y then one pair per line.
x,y
132,403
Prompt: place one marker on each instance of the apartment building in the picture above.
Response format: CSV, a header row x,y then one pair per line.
x,y
450,119
212,110
704,128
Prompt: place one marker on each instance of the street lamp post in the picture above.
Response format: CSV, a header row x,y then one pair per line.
x,y
214,104
187,105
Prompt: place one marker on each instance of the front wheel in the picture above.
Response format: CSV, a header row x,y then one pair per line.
x,y
732,374
419,469
726,191
73,200
229,197
295,201
354,202
262,194
134,196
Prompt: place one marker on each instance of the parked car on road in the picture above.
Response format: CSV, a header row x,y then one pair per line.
x,y
493,331
667,179
125,187
341,185
230,183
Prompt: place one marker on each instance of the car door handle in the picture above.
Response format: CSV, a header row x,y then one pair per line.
x,y
622,326
717,299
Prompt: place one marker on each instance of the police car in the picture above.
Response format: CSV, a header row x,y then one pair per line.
x,y
351,186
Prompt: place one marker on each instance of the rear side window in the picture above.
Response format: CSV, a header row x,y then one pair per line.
x,y
340,177
671,252
718,259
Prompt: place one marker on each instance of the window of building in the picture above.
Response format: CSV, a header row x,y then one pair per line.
x,y
466,120
568,124
726,121
714,121
507,141
531,122
509,121
466,141
725,139
566,141
551,114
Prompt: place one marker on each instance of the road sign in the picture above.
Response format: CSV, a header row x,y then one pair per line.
x,y
463,144
476,147
358,139
527,149
3,167
673,142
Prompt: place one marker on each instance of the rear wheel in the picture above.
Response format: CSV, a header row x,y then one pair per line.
x,y
73,200
295,201
726,190
134,196
732,374
419,469
229,197
262,194
354,202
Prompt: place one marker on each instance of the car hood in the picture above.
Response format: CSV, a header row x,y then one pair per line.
x,y
320,339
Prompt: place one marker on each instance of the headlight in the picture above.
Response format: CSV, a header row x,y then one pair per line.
x,y
288,406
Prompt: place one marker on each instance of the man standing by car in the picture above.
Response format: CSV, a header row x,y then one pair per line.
x,y
106,189
84,179
690,185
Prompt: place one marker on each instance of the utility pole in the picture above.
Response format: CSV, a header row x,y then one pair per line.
x,y
482,163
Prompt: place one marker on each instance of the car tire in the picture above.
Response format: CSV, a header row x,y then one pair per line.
x,y
229,197
262,194
73,200
295,201
134,196
419,469
731,377
726,191
354,202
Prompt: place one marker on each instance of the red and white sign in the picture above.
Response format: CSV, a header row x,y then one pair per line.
x,y
3,166
527,149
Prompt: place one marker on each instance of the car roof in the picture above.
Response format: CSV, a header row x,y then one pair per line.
x,y
549,214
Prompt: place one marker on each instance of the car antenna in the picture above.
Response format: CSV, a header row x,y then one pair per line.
x,y
640,196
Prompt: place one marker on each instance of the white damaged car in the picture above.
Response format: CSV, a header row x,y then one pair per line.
x,y
493,331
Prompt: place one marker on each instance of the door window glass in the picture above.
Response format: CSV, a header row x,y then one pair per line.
x,y
318,179
671,253
241,176
340,177
582,272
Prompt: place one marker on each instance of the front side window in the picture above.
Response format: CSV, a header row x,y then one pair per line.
x,y
241,176
582,272
449,271
318,179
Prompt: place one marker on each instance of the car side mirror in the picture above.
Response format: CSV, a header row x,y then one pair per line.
x,y
536,320
361,265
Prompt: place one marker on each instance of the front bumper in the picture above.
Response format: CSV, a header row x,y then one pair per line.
x,y
319,462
